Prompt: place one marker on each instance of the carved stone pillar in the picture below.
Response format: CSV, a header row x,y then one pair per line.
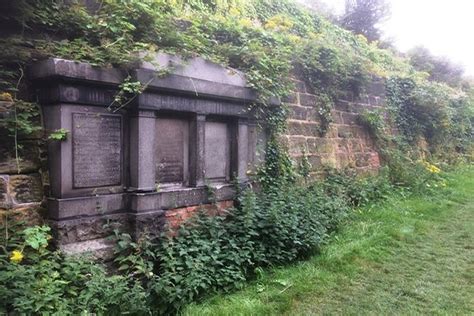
x,y
196,150
142,153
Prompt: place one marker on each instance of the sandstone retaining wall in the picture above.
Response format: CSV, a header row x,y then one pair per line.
x,y
346,143
21,178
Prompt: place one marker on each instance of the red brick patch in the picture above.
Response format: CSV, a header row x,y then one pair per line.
x,y
177,216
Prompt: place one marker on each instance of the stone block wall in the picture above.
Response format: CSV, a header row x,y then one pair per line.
x,y
346,143
21,179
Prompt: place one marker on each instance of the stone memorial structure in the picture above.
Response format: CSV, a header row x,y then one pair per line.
x,y
134,165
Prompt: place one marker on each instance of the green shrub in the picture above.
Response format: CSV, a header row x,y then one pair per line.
x,y
219,253
355,189
36,280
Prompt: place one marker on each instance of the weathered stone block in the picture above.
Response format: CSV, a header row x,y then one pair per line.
x,y
349,118
336,116
300,86
374,160
342,105
4,196
149,223
343,160
332,132
373,100
362,98
357,145
98,249
30,215
295,128
359,132
292,98
347,96
315,161
344,131
320,145
311,129
329,160
377,87
298,112
297,145
343,145
307,99
28,154
81,229
362,160
26,188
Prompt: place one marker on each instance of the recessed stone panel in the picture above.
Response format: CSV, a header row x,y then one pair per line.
x,y
97,150
217,151
171,150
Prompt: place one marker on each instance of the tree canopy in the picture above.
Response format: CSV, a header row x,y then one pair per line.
x,y
363,17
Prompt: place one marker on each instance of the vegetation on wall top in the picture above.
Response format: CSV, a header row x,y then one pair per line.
x,y
269,40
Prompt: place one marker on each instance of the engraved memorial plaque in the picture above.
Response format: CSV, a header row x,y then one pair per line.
x,y
172,150
97,150
217,151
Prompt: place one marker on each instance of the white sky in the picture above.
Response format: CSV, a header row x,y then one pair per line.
x,y
445,27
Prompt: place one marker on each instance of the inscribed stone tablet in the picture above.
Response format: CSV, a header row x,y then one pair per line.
x,y
97,150
217,157
171,150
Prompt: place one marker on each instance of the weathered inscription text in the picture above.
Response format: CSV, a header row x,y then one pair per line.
x,y
97,150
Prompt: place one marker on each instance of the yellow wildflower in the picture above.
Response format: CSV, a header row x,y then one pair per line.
x,y
245,22
431,168
16,256
279,23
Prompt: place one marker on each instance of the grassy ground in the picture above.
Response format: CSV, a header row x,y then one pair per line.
x,y
408,256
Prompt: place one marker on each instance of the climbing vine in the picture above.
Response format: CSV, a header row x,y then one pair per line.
x,y
271,41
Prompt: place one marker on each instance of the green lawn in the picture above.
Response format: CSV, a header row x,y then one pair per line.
x,y
408,256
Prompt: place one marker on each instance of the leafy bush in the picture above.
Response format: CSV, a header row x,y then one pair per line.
x,y
357,190
280,224
207,254
35,280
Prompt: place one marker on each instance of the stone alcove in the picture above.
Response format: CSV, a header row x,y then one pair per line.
x,y
189,129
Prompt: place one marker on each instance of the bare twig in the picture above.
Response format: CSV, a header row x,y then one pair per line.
x,y
17,156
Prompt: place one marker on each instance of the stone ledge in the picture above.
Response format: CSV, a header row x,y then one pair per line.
x,y
73,70
86,206
180,197
196,68
198,77
101,248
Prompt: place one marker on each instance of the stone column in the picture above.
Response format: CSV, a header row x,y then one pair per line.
x,y
242,149
142,154
196,150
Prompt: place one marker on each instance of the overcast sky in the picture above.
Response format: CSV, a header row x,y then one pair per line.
x,y
445,27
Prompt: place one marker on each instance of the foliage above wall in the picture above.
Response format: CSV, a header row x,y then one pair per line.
x,y
270,40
